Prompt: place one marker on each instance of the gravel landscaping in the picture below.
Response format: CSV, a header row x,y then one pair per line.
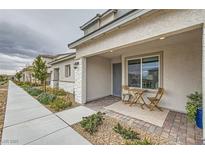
x,y
105,134
3,98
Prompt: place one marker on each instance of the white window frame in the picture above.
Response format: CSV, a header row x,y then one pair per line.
x,y
141,57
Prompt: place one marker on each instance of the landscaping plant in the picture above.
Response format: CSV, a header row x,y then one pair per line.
x,y
91,123
59,92
126,133
33,91
194,102
40,70
145,141
46,98
59,104
18,76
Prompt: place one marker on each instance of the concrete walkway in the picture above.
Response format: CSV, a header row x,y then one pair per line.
x,y
29,122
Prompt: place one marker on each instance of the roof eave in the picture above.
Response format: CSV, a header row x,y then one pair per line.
x,y
109,26
62,59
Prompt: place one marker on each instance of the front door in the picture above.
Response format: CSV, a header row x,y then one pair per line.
x,y
56,78
117,79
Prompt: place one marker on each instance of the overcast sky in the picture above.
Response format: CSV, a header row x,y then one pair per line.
x,y
26,33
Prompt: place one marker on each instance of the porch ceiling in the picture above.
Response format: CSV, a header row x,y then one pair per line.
x,y
190,36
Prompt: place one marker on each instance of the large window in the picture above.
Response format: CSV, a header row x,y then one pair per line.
x,y
143,72
67,70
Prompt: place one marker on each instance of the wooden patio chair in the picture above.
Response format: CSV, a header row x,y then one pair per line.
x,y
154,101
126,95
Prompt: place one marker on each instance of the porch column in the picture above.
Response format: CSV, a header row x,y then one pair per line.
x,y
203,79
80,80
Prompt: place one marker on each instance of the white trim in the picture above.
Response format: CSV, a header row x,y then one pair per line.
x,y
141,57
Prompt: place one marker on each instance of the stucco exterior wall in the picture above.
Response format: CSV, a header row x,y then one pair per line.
x,y
66,83
98,81
147,28
92,27
106,19
181,71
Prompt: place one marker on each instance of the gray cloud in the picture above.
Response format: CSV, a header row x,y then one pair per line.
x,y
21,40
26,33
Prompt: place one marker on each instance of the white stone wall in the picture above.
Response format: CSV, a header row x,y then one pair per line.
x,y
80,81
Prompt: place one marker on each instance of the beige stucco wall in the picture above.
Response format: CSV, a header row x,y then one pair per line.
x,y
106,19
147,28
92,27
61,67
98,77
66,83
182,70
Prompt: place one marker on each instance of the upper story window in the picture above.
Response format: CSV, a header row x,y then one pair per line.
x,y
144,72
67,70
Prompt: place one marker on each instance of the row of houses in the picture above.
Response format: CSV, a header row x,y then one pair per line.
x,y
142,48
60,71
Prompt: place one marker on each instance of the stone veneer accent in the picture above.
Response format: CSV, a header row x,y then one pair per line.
x,y
80,81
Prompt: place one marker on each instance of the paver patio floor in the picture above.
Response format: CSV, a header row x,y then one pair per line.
x,y
29,122
177,128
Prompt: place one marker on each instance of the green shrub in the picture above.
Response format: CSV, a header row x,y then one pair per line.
x,y
33,91
91,123
59,92
140,142
194,102
60,104
46,98
24,84
126,133
56,91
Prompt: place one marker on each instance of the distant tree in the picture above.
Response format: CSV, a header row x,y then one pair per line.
x,y
40,70
18,76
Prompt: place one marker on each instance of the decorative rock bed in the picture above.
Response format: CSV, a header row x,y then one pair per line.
x,y
107,136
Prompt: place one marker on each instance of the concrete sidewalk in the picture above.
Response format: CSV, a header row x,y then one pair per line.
x,y
29,122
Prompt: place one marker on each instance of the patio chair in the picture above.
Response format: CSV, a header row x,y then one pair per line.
x,y
126,95
154,101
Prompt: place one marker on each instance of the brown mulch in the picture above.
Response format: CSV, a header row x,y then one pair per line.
x,y
3,99
106,136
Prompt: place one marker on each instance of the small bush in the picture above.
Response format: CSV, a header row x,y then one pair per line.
x,y
56,91
59,92
33,91
126,133
194,102
60,104
91,123
46,98
24,84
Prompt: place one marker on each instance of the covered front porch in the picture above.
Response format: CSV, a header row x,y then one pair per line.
x,y
173,62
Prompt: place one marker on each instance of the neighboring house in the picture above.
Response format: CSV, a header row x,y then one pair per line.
x,y
62,72
141,48
48,59
27,75
28,71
